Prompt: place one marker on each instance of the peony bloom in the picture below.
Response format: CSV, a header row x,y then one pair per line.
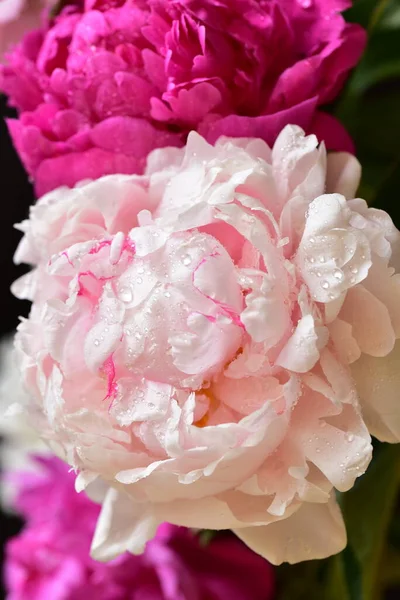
x,y
106,82
17,17
50,558
19,438
210,357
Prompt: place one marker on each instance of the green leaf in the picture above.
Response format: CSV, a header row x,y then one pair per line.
x,y
205,536
390,572
381,61
367,510
368,13
373,121
301,581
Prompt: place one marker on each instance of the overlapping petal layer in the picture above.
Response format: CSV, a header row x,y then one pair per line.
x,y
104,83
198,335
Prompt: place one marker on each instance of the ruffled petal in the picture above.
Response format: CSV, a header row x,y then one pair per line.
x,y
314,530
122,526
378,381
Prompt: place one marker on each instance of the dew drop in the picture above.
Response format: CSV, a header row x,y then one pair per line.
x,y
349,437
325,284
319,274
338,274
305,3
125,294
322,259
186,259
96,342
354,270
139,280
311,259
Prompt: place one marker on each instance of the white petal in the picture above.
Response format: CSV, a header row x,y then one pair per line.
x,y
378,385
344,174
313,531
122,526
301,352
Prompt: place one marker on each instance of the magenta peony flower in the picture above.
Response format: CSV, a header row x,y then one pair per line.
x,y
110,80
50,558
207,357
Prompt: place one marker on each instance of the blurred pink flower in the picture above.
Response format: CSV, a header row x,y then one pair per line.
x,y
17,17
110,80
201,355
50,558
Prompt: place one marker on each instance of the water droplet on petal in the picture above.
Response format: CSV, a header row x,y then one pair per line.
x,y
305,3
325,284
338,274
186,259
349,437
96,342
125,294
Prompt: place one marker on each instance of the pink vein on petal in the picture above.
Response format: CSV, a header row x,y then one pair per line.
x,y
225,308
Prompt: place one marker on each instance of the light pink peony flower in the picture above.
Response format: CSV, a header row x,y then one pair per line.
x,y
17,17
203,356
50,558
110,80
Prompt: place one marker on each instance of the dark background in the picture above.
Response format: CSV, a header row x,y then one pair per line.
x,y
16,196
